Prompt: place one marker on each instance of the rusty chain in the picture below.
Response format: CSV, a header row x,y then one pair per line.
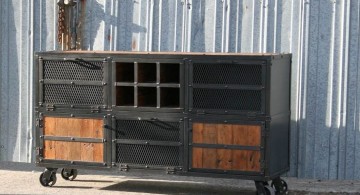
x,y
61,23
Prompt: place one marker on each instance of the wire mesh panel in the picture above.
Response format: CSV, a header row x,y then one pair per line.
x,y
227,99
232,74
73,94
73,70
148,154
148,130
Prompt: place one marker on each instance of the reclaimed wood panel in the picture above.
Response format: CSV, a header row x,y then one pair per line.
x,y
49,146
197,157
209,134
64,151
197,153
226,159
253,161
226,134
73,127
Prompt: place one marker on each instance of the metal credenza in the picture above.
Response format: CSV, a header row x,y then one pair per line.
x,y
200,114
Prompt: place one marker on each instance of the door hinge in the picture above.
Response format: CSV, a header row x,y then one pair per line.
x,y
172,170
50,107
39,122
95,109
124,168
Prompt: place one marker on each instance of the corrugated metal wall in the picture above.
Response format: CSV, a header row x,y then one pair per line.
x,y
323,36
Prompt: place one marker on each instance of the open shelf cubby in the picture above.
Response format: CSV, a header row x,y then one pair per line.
x,y
124,96
125,72
169,73
169,97
147,96
146,72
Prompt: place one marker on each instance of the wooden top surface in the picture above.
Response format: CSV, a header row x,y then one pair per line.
x,y
165,53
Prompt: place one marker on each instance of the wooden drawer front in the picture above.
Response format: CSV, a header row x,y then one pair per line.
x,y
221,158
76,128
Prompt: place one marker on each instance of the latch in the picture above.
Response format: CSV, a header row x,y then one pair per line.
x,y
50,107
95,109
124,168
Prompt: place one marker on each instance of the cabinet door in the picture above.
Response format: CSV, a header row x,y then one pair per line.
x,y
73,139
227,87
223,146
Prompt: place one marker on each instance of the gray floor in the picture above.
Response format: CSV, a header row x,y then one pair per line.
x,y
23,178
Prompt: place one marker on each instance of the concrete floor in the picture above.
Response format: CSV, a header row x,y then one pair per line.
x,y
23,178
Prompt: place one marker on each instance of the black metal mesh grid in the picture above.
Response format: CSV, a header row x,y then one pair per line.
x,y
227,74
148,155
148,130
227,99
73,70
73,94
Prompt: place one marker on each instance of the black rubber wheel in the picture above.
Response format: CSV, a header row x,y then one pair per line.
x,y
69,174
280,187
47,182
269,190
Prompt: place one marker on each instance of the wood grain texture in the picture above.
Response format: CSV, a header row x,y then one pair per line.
x,y
73,127
197,157
226,134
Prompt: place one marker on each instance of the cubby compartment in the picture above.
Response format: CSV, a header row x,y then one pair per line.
x,y
124,96
147,73
170,97
147,97
124,72
169,73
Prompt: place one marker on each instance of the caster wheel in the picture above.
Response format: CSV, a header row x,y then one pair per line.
x,y
280,186
263,188
269,190
69,174
47,182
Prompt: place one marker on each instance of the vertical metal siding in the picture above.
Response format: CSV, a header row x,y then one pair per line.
x,y
323,36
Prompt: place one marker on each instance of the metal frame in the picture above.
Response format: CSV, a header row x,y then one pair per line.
x,y
185,114
40,137
105,83
217,120
229,60
148,142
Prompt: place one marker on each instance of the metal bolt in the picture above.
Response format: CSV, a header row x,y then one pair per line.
x,y
104,83
104,140
72,106
113,140
104,164
72,82
72,115
72,138
146,166
72,162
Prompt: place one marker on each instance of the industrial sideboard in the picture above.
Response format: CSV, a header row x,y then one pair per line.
x,y
192,114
